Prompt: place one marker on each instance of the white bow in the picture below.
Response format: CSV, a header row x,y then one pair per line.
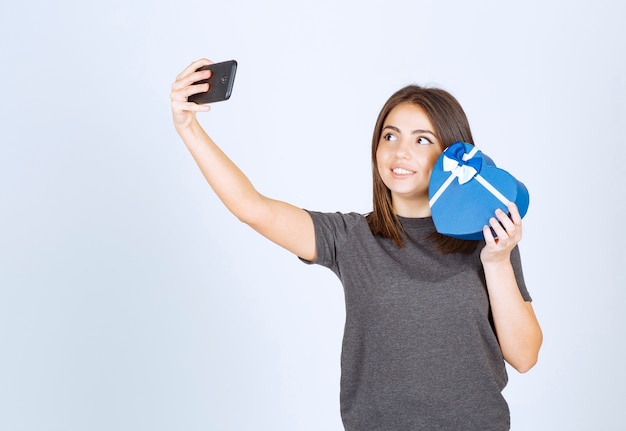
x,y
463,172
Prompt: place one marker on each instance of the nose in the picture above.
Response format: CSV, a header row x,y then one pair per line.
x,y
402,150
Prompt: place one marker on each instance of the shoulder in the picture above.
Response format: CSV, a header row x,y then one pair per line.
x,y
333,230
337,221
337,232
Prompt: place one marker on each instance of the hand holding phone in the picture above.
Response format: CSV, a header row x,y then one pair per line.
x,y
220,83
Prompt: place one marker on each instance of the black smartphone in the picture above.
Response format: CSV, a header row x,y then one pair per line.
x,y
220,83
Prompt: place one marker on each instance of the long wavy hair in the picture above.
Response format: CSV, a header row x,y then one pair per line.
x,y
451,125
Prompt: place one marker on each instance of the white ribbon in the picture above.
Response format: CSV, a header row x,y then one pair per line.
x,y
464,173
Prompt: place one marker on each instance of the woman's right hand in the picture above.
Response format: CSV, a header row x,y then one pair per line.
x,y
183,111
286,225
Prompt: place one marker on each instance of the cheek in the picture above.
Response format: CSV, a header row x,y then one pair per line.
x,y
380,156
433,158
383,173
429,162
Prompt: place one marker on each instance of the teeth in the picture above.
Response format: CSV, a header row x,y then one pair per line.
x,y
400,171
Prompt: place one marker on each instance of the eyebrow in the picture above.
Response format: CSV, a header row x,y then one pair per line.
x,y
414,132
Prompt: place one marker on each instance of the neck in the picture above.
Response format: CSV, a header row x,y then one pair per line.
x,y
411,208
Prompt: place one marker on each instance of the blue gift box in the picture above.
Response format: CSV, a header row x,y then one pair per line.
x,y
465,190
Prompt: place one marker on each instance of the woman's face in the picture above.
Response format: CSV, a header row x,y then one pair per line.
x,y
406,154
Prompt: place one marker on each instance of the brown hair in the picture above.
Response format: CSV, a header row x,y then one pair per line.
x,y
451,125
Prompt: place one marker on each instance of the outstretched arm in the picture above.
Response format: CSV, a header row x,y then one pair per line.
x,y
517,328
286,225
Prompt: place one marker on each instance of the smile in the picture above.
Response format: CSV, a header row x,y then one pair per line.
x,y
402,171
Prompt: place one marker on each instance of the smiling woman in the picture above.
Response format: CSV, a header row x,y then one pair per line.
x,y
429,318
443,122
405,157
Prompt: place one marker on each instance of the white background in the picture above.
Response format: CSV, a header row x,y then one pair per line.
x,y
130,299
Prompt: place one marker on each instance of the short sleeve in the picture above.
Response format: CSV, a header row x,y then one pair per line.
x,y
331,231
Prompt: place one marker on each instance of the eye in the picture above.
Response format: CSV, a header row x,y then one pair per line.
x,y
390,137
424,141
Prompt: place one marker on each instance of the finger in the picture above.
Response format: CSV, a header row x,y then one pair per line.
x,y
489,238
504,219
193,67
183,94
515,215
498,229
511,222
191,79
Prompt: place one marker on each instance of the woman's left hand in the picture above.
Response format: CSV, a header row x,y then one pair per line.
x,y
508,233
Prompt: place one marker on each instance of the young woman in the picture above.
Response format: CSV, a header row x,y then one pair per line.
x,y
430,319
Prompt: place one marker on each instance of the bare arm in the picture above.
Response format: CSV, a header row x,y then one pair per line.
x,y
517,328
286,225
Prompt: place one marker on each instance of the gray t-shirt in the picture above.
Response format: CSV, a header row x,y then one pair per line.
x,y
419,350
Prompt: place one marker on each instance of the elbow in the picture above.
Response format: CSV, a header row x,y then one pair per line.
x,y
244,218
245,214
525,359
251,211
523,365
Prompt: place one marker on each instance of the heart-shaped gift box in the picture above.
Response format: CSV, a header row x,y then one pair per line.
x,y
465,190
